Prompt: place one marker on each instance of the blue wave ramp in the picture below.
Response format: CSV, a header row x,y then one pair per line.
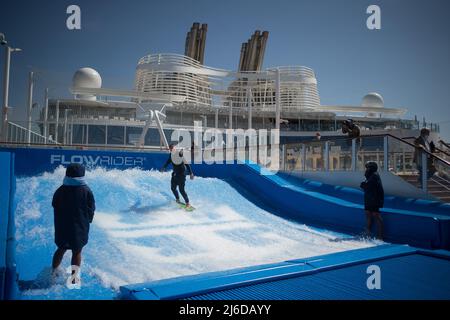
x,y
404,226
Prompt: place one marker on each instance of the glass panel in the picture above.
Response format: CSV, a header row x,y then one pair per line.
x,y
116,135
340,158
369,149
293,157
132,135
97,134
315,157
402,158
441,181
153,138
79,134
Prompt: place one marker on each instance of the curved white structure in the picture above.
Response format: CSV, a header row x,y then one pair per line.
x,y
192,88
184,79
87,78
373,100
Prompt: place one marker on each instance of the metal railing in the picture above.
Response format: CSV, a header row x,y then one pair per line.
x,y
391,153
417,166
18,134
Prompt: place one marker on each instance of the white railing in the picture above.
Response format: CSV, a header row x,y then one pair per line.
x,y
19,134
178,75
343,154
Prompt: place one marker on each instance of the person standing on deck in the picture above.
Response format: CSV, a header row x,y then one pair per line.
x,y
422,143
178,180
373,198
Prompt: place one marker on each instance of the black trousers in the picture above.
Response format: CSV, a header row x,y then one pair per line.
x,y
179,181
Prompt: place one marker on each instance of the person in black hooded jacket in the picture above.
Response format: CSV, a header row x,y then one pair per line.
x,y
373,198
74,207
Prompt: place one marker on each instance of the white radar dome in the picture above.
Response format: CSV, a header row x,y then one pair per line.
x,y
373,100
86,78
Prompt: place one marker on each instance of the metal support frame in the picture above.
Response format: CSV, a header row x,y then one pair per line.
x,y
230,116
106,133
30,104
148,122
303,155
424,177
46,115
249,105
327,156
386,153
87,134
65,126
159,117
57,121
216,119
354,159
160,127
277,99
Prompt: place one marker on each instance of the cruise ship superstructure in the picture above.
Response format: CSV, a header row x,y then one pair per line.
x,y
185,90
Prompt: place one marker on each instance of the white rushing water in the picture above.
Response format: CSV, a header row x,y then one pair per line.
x,y
139,234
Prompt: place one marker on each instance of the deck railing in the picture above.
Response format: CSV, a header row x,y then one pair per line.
x,y
391,153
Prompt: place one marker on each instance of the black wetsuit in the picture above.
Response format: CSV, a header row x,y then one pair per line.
x,y
178,178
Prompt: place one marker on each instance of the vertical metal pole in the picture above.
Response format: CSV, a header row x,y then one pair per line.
x,y
424,172
327,156
354,159
230,117
30,104
46,116
216,119
87,134
386,153
65,127
249,105
57,121
5,93
303,155
403,161
161,129
71,129
124,135
277,99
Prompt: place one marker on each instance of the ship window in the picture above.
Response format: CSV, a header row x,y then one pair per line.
x,y
133,135
79,134
116,135
97,134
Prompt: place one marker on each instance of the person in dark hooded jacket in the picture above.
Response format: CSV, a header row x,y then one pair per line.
x,y
74,207
373,198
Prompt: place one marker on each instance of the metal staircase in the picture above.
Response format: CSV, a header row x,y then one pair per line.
x,y
393,154
438,187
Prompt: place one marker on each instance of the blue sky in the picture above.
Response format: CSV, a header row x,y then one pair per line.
x,y
407,61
